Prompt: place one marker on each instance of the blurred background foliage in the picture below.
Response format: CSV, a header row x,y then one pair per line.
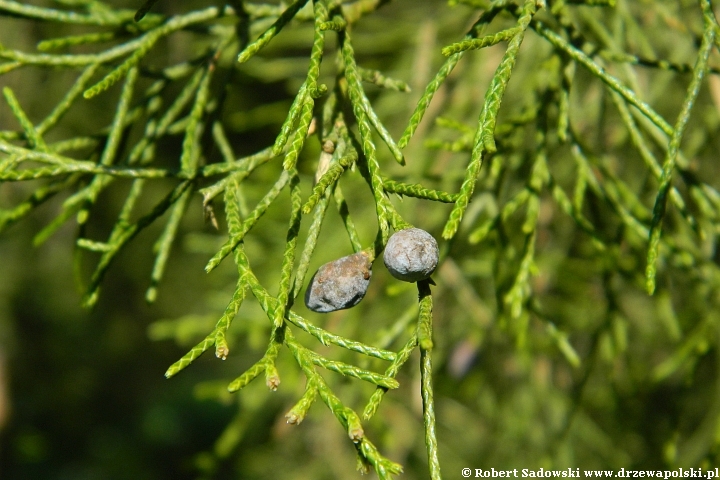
x,y
592,372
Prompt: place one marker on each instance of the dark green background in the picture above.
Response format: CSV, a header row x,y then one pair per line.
x,y
87,396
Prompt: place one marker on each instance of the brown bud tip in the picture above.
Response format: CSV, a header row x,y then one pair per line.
x,y
293,418
356,434
273,382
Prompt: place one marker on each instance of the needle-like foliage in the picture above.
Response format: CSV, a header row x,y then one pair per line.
x,y
556,170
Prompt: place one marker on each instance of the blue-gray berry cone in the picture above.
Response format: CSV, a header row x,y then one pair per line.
x,y
339,284
411,255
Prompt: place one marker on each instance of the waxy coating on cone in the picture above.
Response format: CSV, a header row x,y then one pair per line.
x,y
339,284
411,255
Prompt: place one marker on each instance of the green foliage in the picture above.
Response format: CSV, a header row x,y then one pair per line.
x,y
557,203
